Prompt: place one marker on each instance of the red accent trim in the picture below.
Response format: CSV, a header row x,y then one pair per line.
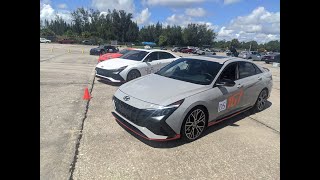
x,y
215,122
177,136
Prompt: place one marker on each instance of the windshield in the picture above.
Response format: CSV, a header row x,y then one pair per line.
x,y
124,51
191,70
135,55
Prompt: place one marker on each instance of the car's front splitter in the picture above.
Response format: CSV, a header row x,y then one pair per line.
x,y
136,131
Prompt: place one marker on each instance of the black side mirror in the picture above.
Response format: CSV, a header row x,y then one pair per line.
x,y
226,82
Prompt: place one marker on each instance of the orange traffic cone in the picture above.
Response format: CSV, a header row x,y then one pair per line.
x,y
86,95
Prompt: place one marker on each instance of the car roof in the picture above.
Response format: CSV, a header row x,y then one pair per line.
x,y
218,59
152,50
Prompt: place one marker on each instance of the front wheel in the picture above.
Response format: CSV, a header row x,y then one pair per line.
x,y
133,74
194,124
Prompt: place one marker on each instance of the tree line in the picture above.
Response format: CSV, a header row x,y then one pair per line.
x,y
120,26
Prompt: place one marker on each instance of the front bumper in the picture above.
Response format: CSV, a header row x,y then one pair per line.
x,y
139,121
108,75
142,131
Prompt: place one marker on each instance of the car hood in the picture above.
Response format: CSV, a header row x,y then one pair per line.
x,y
109,56
116,63
160,90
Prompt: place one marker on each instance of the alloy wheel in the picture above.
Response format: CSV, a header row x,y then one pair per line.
x,y
195,124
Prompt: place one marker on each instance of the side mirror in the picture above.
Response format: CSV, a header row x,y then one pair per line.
x,y
226,82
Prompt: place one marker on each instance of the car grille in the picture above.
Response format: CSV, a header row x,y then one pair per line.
x,y
103,72
129,112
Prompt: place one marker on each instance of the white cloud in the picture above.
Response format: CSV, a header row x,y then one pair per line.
x,y
62,6
104,5
260,25
48,13
195,12
143,17
171,3
183,21
226,2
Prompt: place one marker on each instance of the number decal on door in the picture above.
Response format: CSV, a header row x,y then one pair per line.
x,y
235,99
232,101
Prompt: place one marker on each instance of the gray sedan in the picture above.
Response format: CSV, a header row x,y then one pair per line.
x,y
185,97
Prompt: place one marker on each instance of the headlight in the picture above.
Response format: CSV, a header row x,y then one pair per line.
x,y
116,71
164,111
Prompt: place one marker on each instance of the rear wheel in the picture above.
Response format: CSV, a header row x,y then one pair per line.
x,y
194,124
102,52
261,101
133,74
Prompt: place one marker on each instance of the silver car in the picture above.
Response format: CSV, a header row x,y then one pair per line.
x,y
253,55
190,94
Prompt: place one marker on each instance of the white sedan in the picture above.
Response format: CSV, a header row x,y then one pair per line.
x,y
136,63
44,40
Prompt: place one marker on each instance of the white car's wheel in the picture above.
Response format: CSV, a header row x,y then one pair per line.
x,y
133,74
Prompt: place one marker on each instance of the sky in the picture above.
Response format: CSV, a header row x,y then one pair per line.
x,y
245,20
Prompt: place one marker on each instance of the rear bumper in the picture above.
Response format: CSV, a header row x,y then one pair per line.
x,y
142,131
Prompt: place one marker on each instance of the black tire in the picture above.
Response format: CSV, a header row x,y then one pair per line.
x,y
203,53
102,52
133,74
189,125
260,104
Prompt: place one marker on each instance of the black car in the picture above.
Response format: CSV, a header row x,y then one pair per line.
x,y
163,48
89,42
271,58
102,49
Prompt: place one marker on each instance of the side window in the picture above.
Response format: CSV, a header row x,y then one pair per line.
x,y
258,71
164,55
229,72
246,69
153,56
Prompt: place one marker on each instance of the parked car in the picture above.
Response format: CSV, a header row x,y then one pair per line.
x,y
186,50
275,57
44,40
185,97
254,55
89,42
163,48
182,49
176,49
147,47
102,49
228,52
66,41
205,52
135,63
114,55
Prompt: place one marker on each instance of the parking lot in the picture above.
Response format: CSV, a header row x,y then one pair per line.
x,y
82,140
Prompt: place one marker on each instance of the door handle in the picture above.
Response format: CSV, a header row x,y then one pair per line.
x,y
259,78
239,86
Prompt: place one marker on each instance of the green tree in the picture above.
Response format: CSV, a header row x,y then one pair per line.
x,y
235,43
163,40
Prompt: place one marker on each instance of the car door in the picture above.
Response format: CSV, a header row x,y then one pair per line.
x,y
250,80
149,64
225,100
